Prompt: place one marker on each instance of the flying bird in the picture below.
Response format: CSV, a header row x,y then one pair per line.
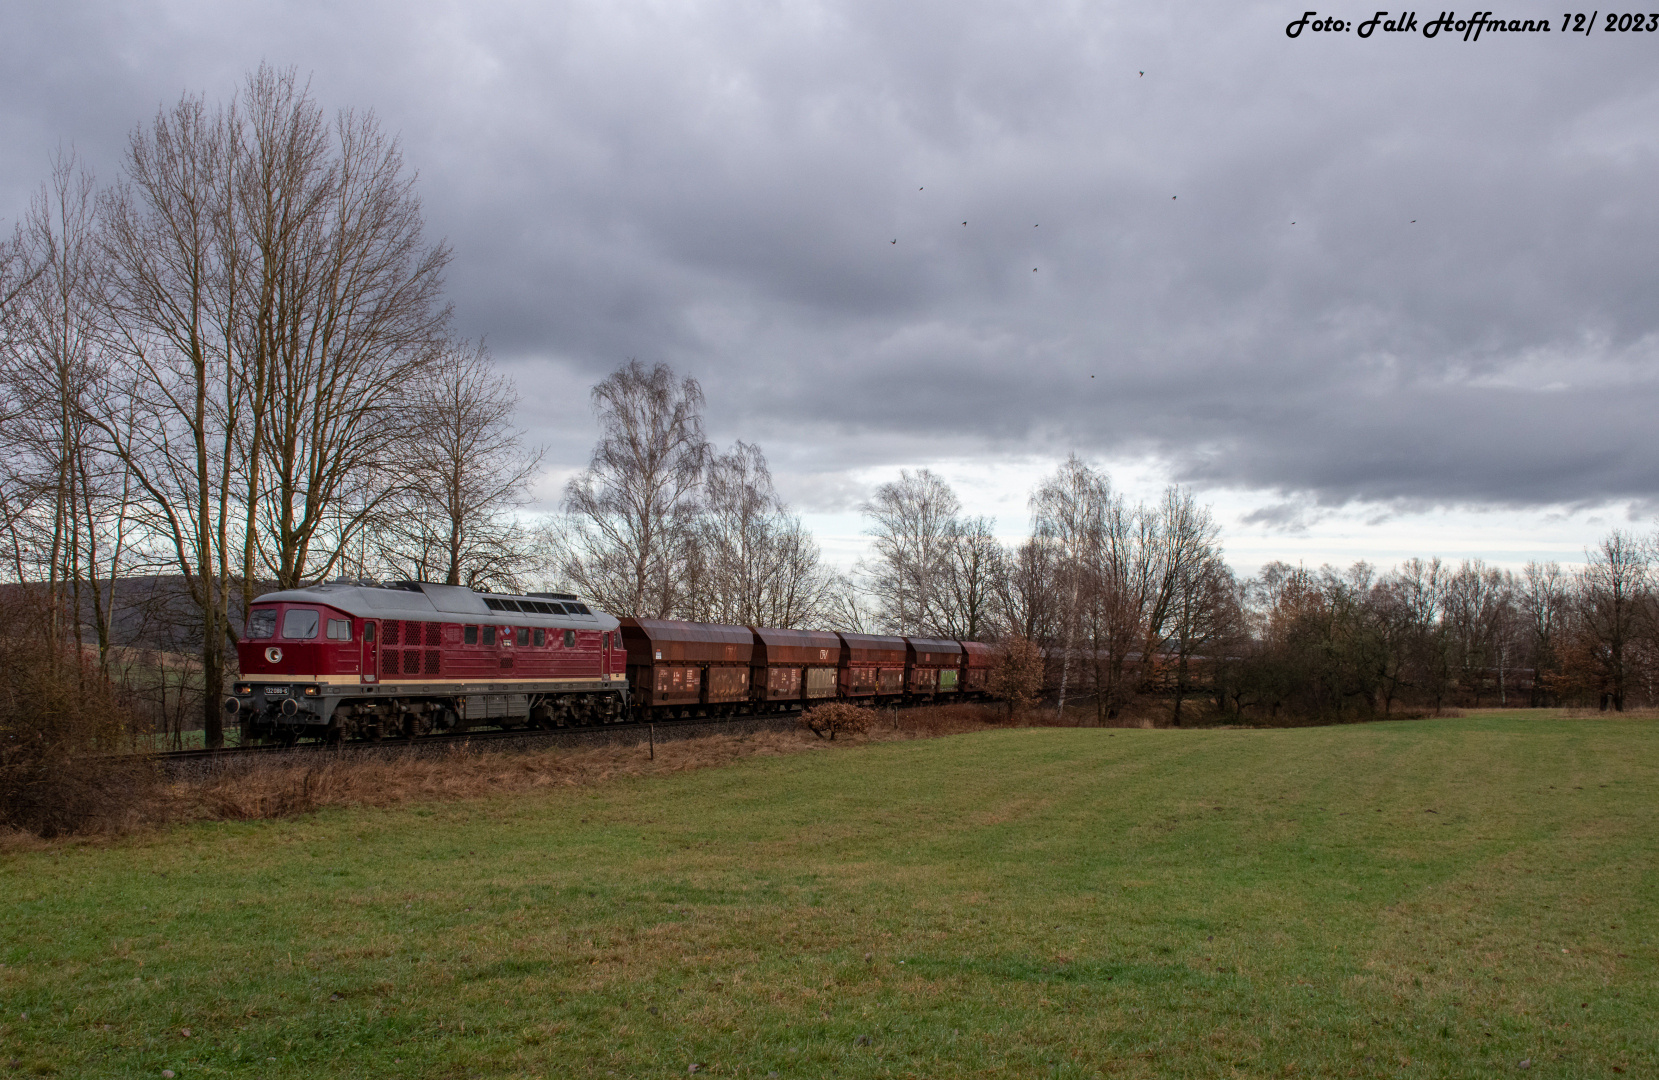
x,y
895,241
1143,75
964,223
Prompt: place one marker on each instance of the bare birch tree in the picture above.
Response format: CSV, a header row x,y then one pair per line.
x,y
629,515
1072,512
911,522
758,566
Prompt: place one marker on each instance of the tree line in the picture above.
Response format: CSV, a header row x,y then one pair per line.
x,y
1134,603
234,367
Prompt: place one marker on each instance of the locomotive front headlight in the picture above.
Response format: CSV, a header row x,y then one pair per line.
x,y
244,689
311,691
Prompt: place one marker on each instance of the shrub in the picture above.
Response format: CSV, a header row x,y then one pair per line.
x,y
61,731
1016,673
837,718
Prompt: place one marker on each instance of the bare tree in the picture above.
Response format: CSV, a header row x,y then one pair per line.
x,y
57,481
1420,585
972,580
911,521
628,517
1477,603
272,297
1028,594
15,275
173,297
735,546
462,469
1542,598
1614,595
1205,613
1185,552
1072,512
756,564
343,315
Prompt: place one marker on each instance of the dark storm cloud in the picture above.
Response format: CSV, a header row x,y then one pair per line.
x,y
1400,270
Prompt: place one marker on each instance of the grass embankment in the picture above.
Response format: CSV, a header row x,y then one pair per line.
x,y
1433,898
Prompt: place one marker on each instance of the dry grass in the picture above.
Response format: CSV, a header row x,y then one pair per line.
x,y
1597,714
274,791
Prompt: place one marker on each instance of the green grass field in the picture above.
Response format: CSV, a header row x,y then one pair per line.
x,y
1437,898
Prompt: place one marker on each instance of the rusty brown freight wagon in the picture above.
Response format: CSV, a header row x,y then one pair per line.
x,y
872,665
976,667
795,665
692,665
934,665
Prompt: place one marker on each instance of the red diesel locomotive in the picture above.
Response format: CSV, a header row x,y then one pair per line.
x,y
353,660
357,660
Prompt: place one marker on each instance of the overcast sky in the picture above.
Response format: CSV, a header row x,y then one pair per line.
x,y
1372,298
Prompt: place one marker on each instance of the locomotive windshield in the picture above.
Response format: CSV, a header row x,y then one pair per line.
x,y
300,623
261,623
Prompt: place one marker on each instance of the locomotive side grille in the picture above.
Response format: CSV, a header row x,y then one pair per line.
x,y
388,631
431,665
434,634
411,662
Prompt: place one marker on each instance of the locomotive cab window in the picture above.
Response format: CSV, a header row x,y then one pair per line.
x,y
524,635
489,635
541,637
262,623
368,631
339,629
300,624
469,636
570,639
